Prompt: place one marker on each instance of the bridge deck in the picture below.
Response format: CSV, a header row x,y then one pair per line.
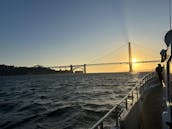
x,y
152,108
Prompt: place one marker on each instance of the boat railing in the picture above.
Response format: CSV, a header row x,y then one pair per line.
x,y
125,104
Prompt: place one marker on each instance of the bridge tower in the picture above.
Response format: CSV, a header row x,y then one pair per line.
x,y
130,58
84,71
71,68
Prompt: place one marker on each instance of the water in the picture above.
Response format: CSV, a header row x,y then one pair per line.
x,y
60,101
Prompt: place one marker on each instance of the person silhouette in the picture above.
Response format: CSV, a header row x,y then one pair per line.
x,y
159,70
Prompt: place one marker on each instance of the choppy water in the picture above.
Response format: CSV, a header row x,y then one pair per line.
x,y
60,101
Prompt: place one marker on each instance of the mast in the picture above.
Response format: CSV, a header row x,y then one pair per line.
x,y
170,13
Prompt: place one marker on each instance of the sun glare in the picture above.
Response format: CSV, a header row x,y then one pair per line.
x,y
134,60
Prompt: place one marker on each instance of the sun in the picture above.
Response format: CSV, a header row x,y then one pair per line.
x,y
134,60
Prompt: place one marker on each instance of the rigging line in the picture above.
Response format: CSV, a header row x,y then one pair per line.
x,y
116,50
170,13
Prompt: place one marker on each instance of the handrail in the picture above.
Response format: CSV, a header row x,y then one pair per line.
x,y
119,108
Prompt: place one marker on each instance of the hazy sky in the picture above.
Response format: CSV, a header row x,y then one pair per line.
x,y
59,32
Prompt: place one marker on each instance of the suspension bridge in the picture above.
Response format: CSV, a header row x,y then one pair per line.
x,y
83,67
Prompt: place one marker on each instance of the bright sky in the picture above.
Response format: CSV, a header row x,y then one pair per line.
x,y
63,32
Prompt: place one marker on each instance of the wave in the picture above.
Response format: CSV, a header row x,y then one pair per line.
x,y
59,111
36,107
13,124
6,107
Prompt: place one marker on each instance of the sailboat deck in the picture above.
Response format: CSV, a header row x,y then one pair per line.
x,y
152,108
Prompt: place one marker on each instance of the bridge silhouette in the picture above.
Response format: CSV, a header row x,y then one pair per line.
x,y
83,67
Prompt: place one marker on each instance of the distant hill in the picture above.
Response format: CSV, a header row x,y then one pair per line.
x,y
12,70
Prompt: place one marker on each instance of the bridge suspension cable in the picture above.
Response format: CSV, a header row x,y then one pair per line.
x,y
108,54
142,46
